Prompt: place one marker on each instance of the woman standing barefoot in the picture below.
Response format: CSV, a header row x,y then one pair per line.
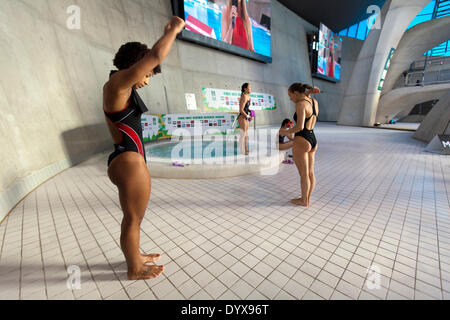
x,y
305,143
127,167
244,117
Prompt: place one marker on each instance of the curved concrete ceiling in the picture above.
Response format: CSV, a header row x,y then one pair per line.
x,y
336,15
401,99
415,42
436,120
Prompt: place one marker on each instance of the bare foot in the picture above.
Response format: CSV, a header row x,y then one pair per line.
x,y
146,258
147,272
299,202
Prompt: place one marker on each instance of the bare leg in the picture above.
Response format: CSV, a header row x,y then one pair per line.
x,y
301,161
246,138
242,134
312,176
286,146
130,174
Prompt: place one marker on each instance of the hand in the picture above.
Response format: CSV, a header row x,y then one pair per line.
x,y
175,25
233,13
315,90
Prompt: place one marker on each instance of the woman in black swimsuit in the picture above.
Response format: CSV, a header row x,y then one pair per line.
x,y
127,168
305,143
244,117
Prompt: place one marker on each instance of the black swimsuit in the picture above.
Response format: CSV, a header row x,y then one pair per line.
x,y
128,121
305,133
246,110
281,139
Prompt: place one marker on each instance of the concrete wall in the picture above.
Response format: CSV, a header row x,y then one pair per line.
x,y
362,95
436,121
404,99
52,77
415,42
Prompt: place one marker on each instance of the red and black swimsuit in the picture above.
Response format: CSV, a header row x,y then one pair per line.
x,y
128,121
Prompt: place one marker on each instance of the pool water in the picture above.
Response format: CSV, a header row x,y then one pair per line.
x,y
194,150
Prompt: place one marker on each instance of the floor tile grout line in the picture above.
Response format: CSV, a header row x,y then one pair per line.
x,y
218,260
93,234
378,246
75,234
373,218
437,228
21,251
40,244
418,238
3,238
46,186
260,260
315,278
114,239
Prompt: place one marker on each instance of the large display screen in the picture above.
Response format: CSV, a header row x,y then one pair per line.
x,y
329,55
237,26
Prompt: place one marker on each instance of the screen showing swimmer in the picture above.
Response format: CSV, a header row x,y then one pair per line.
x,y
243,24
330,51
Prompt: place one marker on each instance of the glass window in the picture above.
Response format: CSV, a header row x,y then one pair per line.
x,y
420,19
343,32
352,31
429,8
362,30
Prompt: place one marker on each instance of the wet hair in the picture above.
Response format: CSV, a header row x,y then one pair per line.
x,y
299,87
244,86
285,122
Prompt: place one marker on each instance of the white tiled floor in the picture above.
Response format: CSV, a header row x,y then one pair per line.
x,y
380,202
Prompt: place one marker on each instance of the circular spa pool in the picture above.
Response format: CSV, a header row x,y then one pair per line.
x,y
197,149
209,159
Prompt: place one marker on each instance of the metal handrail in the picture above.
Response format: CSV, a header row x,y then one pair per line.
x,y
423,78
429,61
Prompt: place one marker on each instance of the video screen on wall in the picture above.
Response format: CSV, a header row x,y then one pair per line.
x,y
330,53
238,26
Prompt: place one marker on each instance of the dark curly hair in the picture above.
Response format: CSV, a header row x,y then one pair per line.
x,y
130,53
299,87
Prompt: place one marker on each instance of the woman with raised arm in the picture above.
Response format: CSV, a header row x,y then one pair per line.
x,y
127,167
305,143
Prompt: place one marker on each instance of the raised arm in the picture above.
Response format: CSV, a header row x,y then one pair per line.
x,y
250,35
227,26
127,78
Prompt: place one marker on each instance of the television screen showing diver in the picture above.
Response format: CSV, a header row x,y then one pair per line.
x,y
242,23
330,52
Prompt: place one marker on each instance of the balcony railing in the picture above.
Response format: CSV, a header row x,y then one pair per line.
x,y
429,62
424,78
